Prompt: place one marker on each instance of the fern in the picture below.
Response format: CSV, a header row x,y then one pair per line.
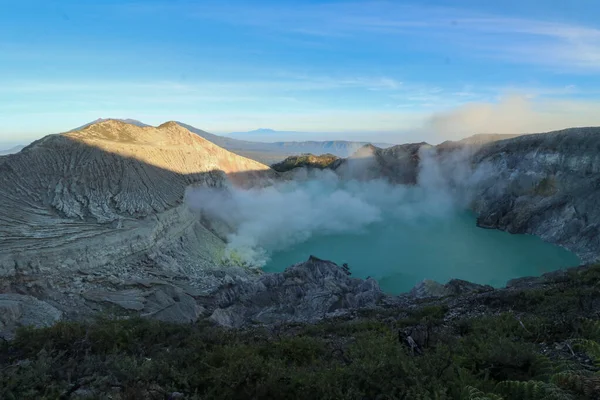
x,y
542,369
532,390
439,395
591,329
419,394
472,393
589,347
584,382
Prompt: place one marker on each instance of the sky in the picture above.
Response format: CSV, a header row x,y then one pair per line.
x,y
392,71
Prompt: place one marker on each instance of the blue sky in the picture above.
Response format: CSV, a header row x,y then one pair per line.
x,y
373,70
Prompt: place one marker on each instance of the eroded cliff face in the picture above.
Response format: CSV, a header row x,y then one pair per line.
x,y
91,212
546,185
106,192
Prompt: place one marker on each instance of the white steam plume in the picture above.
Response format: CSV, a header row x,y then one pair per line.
x,y
319,203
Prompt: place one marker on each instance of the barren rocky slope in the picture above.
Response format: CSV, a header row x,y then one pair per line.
x,y
101,208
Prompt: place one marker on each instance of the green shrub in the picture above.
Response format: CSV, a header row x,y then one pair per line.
x,y
493,357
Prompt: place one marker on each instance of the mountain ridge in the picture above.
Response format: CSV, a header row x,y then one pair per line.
x,y
109,201
12,150
125,120
273,152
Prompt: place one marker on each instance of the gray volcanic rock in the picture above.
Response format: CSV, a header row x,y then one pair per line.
x,y
308,161
106,192
172,304
128,299
18,310
305,292
455,287
546,185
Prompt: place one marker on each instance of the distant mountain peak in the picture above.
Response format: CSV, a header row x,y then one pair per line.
x,y
120,132
121,120
12,150
107,122
170,124
263,130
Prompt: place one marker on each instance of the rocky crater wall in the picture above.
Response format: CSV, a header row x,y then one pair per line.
x,y
94,221
546,185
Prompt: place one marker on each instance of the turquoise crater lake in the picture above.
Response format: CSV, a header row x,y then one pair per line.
x,y
400,254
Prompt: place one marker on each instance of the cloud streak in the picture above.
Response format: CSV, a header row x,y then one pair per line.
x,y
516,40
287,82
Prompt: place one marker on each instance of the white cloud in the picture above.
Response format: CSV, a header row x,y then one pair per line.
x,y
513,114
518,40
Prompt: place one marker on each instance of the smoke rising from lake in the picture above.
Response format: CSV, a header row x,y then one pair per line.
x,y
259,221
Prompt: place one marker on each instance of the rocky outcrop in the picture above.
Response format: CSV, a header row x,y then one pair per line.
x,y
17,310
455,287
305,292
307,161
398,164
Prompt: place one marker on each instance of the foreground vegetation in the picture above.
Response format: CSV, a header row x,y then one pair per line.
x,y
547,346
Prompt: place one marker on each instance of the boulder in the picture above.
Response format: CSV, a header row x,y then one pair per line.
x,y
172,304
454,287
127,299
20,310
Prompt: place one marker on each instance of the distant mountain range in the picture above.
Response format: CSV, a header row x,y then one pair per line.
x,y
267,135
273,152
269,153
11,150
265,152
